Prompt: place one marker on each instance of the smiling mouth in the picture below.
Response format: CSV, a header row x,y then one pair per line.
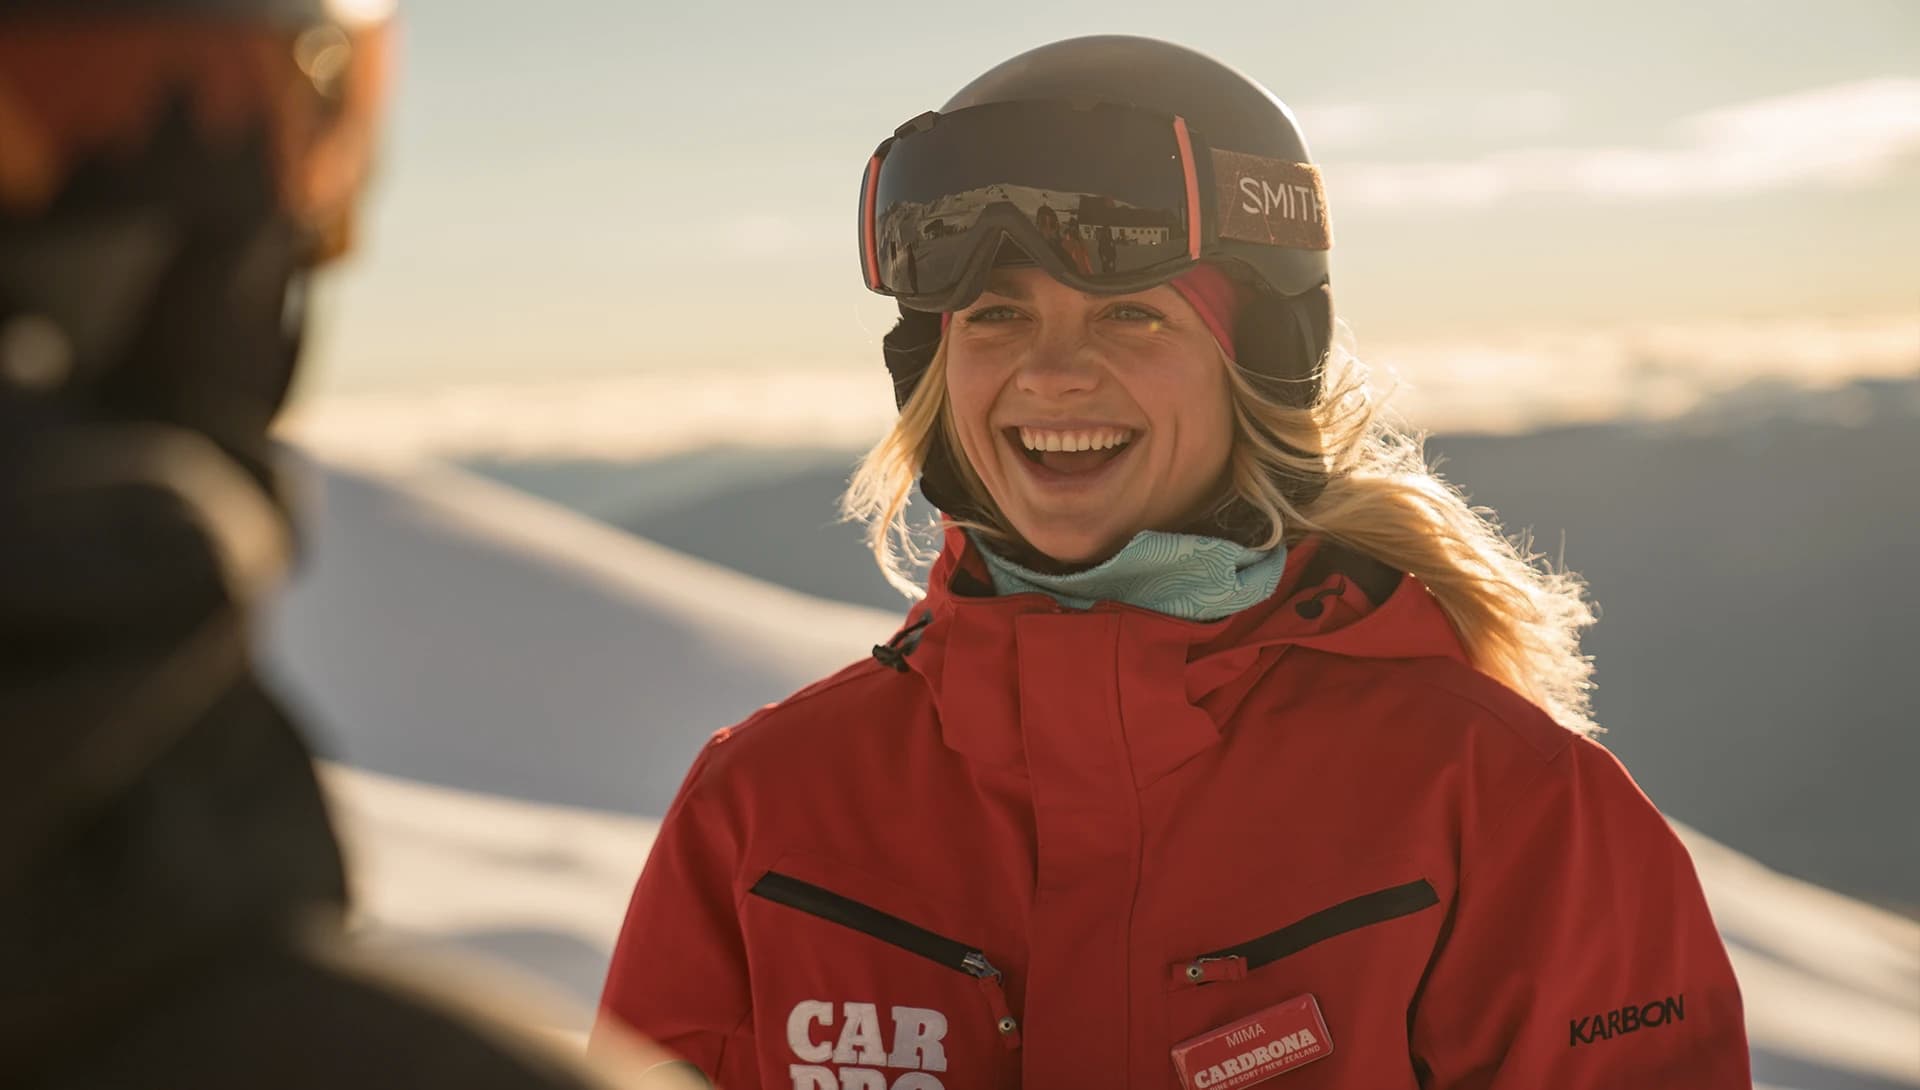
x,y
1090,450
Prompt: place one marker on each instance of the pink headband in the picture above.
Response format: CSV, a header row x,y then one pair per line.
x,y
1209,291
1213,296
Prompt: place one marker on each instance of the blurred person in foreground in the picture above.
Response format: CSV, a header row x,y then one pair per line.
x,y
172,896
1228,744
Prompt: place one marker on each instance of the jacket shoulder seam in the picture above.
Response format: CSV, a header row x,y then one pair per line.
x,y
1444,680
845,676
1443,676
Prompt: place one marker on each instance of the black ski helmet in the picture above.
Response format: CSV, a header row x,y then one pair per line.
x,y
1283,330
1229,109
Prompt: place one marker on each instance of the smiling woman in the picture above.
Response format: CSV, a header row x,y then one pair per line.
x,y
1226,739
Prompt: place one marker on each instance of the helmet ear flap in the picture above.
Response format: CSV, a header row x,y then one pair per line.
x,y
909,349
940,483
1283,340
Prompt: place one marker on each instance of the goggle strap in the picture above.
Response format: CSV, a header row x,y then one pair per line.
x,y
1273,202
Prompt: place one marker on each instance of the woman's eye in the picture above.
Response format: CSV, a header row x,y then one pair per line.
x,y
1134,312
992,314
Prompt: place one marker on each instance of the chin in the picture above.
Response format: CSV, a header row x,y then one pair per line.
x,y
1069,549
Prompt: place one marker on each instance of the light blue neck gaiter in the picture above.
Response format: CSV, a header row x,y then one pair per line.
x,y
1188,576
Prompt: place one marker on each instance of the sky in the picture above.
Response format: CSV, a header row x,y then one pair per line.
x,y
597,189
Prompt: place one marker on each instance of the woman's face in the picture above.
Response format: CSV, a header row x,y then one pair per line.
x,y
1089,417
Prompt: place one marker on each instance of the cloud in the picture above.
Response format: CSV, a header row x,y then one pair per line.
x,y
1506,382
1845,135
1347,124
1526,379
635,416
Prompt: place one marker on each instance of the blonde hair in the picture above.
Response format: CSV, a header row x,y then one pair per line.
x,y
1518,618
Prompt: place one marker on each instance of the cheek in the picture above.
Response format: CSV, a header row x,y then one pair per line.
x,y
970,394
1194,403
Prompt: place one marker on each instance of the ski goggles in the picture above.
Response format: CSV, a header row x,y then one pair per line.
x,y
81,85
1105,198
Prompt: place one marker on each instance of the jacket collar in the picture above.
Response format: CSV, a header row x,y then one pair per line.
x,y
1178,681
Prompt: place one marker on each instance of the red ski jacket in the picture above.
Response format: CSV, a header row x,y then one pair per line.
x,y
1032,846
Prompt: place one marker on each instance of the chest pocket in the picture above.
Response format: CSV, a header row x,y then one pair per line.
x,y
1236,961
1360,954
849,994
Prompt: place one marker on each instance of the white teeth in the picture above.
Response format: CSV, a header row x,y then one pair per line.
x,y
1096,439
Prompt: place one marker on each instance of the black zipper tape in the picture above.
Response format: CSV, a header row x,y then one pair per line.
x,y
1363,911
846,912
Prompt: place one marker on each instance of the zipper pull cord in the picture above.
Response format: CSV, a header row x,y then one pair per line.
x,y
990,978
894,652
1313,607
1211,969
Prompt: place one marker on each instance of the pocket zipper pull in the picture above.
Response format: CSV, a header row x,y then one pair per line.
x,y
982,970
1210,970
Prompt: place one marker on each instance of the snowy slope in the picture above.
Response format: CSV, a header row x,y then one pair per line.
x,y
448,629
457,632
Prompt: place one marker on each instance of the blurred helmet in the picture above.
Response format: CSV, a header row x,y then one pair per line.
x,y
169,172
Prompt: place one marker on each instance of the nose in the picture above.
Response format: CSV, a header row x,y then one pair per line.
x,y
1059,363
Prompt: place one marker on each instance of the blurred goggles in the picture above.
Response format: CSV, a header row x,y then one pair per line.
x,y
77,86
1105,198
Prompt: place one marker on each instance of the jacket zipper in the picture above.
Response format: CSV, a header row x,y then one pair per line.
x,y
832,907
1235,962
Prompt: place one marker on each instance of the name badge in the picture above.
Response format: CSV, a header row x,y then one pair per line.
x,y
1256,1048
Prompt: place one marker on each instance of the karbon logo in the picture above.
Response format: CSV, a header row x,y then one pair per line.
x,y
861,1049
1607,1025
